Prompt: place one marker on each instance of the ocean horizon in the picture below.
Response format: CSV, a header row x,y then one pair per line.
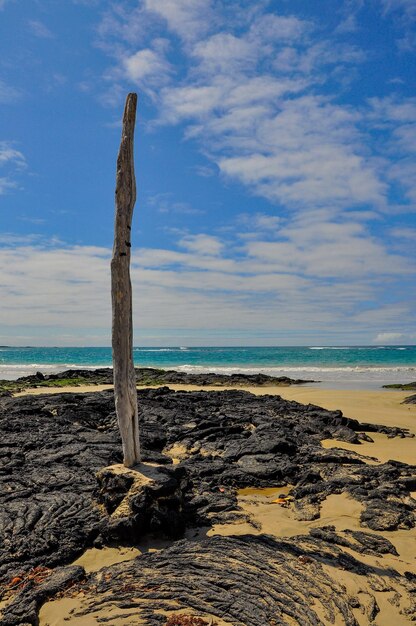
x,y
333,366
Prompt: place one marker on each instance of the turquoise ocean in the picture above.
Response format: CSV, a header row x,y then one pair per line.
x,y
335,366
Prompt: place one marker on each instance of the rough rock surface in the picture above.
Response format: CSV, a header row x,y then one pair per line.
x,y
245,581
53,506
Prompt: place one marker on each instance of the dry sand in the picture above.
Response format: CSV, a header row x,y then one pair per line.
x,y
382,407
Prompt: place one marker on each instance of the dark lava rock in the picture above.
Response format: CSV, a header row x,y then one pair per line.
x,y
410,399
246,581
149,376
26,604
364,543
402,386
145,376
53,507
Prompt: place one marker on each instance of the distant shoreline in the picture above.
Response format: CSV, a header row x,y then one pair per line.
x,y
347,367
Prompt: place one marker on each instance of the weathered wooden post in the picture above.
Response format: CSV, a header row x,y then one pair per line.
x,y
125,393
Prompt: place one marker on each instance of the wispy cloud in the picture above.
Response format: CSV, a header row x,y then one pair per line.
x,y
39,29
8,94
190,19
8,154
4,2
202,244
6,184
147,66
248,91
406,6
165,203
11,162
403,13
210,282
258,92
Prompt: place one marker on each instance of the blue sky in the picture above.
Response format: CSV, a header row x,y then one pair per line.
x,y
275,163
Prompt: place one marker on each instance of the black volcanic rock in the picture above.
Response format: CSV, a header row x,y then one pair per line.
x,y
54,446
146,376
246,581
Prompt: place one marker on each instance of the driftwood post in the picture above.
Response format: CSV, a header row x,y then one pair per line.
x,y
125,393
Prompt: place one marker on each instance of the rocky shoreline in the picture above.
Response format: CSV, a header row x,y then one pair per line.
x,y
63,491
404,387
145,376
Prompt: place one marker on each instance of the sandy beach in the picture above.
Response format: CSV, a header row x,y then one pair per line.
x,y
266,516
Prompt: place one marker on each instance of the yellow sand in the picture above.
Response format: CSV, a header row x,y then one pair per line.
x,y
383,448
67,389
94,559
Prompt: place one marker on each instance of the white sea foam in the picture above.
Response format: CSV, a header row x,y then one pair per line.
x,y
365,377
158,349
12,371
201,369
333,348
360,348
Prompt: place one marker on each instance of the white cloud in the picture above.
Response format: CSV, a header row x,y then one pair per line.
x,y
396,118
309,153
249,88
393,110
316,56
39,29
215,283
278,28
146,64
204,170
7,94
404,172
8,154
408,7
12,161
165,203
190,19
245,95
6,184
348,24
260,95
202,244
403,12
389,337
404,233
225,52
261,222
327,250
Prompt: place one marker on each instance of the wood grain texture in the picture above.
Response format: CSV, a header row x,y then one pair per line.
x,y
121,292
